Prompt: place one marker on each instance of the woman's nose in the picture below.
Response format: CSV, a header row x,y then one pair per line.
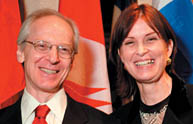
x,y
141,50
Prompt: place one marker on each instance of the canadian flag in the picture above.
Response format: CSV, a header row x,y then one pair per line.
x,y
88,80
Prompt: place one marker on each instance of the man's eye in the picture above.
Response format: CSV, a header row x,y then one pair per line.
x,y
42,46
64,50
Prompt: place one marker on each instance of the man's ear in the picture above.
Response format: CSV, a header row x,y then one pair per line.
x,y
20,54
72,62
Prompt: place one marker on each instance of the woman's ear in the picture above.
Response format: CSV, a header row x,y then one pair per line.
x,y
170,47
118,51
20,54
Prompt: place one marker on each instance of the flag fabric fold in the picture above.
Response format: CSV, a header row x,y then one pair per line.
x,y
88,77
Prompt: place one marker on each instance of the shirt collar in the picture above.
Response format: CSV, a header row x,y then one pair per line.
x,y
29,102
57,104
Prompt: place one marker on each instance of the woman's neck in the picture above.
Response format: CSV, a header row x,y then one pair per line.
x,y
155,92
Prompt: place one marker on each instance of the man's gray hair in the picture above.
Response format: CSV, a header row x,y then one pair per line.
x,y
25,29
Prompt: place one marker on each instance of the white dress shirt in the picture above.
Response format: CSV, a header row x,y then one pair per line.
x,y
57,105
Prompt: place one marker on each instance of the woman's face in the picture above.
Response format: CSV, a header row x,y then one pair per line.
x,y
144,54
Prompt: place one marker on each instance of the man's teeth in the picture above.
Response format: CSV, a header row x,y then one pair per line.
x,y
48,71
144,62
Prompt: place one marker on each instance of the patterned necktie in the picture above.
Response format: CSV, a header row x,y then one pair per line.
x,y
40,114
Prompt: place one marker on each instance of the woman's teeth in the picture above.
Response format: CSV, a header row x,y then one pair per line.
x,y
144,62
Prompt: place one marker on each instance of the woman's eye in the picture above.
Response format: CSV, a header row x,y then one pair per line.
x,y
129,43
152,39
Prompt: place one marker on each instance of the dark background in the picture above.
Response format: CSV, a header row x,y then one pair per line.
x,y
107,12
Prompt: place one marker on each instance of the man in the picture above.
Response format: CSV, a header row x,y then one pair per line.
x,y
47,43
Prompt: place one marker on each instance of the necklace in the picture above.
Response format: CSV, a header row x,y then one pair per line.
x,y
153,118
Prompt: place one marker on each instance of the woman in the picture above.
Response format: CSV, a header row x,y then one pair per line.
x,y
143,46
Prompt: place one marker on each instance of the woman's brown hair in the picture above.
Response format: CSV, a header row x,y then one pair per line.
x,y
126,84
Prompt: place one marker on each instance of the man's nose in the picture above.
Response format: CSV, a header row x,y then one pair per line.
x,y
54,55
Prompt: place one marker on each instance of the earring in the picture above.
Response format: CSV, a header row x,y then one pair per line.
x,y
169,61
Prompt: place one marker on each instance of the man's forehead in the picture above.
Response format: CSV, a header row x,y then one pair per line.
x,y
53,22
50,19
52,29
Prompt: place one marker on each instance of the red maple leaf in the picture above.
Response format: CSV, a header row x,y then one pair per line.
x,y
79,93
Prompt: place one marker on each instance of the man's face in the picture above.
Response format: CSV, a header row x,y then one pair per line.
x,y
45,72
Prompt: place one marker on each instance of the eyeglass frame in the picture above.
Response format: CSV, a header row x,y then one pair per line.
x,y
59,47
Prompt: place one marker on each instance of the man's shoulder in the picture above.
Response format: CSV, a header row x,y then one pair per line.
x,y
10,113
94,114
8,110
90,111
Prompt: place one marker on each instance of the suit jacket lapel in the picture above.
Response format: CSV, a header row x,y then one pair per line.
x,y
74,113
13,113
17,115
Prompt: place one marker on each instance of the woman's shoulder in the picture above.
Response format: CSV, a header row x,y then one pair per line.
x,y
123,112
189,90
189,86
189,93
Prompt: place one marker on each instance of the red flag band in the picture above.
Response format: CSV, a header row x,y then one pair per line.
x,y
11,71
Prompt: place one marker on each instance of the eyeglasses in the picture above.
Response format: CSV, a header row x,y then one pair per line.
x,y
42,46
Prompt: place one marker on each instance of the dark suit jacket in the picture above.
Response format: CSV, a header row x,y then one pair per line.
x,y
76,113
179,109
